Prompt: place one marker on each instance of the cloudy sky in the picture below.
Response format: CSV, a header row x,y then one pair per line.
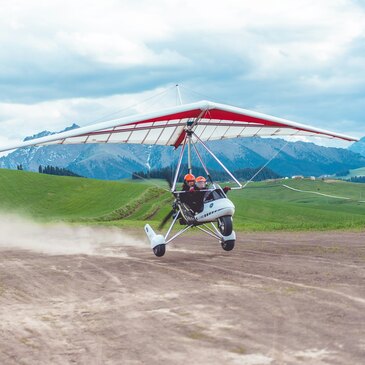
x,y
83,61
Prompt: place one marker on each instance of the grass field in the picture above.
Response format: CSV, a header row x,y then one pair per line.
x,y
259,207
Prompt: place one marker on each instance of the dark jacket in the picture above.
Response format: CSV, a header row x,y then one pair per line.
x,y
194,199
186,187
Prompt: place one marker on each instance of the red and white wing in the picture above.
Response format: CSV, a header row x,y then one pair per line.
x,y
212,121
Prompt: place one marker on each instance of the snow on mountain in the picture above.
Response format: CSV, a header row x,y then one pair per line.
x,y
116,161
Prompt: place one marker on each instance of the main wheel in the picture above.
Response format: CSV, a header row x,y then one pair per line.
x,y
225,225
228,245
159,250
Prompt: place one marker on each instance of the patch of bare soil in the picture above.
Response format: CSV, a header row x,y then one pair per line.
x,y
102,297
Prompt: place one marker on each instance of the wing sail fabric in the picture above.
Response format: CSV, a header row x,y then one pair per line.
x,y
211,121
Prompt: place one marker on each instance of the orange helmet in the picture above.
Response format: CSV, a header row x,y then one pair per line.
x,y
201,179
189,177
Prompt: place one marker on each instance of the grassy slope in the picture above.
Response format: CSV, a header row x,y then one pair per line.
x,y
56,197
355,172
261,206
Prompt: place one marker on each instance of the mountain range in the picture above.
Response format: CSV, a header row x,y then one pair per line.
x,y
117,161
358,147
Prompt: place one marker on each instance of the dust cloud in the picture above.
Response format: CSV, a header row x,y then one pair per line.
x,y
61,239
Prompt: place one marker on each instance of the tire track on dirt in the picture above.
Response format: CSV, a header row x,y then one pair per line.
x,y
304,257
165,266
288,282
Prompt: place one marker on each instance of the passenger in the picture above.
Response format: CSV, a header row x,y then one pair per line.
x,y
201,183
189,183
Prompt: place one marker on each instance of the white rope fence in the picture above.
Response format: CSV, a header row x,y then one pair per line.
x,y
317,193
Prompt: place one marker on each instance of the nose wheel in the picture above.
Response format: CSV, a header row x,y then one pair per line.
x,y
225,225
159,250
228,245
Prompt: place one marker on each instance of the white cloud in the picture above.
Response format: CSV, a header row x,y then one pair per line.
x,y
67,61
117,50
18,121
125,33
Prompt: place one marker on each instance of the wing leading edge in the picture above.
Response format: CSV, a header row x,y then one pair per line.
x,y
212,121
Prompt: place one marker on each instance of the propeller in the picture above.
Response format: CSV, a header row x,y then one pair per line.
x,y
167,217
169,181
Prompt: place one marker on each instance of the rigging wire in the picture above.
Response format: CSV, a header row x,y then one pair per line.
x,y
148,181
206,97
267,162
197,93
100,119
154,98
158,97
178,95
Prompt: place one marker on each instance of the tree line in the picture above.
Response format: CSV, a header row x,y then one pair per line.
x,y
357,179
60,171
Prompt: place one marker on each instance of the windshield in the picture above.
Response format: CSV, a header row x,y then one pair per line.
x,y
213,195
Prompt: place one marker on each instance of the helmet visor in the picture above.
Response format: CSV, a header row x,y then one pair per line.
x,y
201,184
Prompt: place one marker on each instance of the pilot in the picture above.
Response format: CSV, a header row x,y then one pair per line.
x,y
189,183
189,199
201,183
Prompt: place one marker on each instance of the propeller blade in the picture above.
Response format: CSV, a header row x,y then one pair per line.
x,y
169,176
169,182
164,221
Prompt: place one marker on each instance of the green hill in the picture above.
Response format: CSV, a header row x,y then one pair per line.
x,y
49,197
355,172
260,206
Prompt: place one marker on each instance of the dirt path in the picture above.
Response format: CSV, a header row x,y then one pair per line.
x,y
283,298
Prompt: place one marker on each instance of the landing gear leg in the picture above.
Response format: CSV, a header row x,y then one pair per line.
x,y
227,241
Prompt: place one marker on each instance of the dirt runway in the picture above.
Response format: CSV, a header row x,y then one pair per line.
x,y
277,298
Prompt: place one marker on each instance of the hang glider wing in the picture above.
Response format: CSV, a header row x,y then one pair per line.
x,y
211,121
